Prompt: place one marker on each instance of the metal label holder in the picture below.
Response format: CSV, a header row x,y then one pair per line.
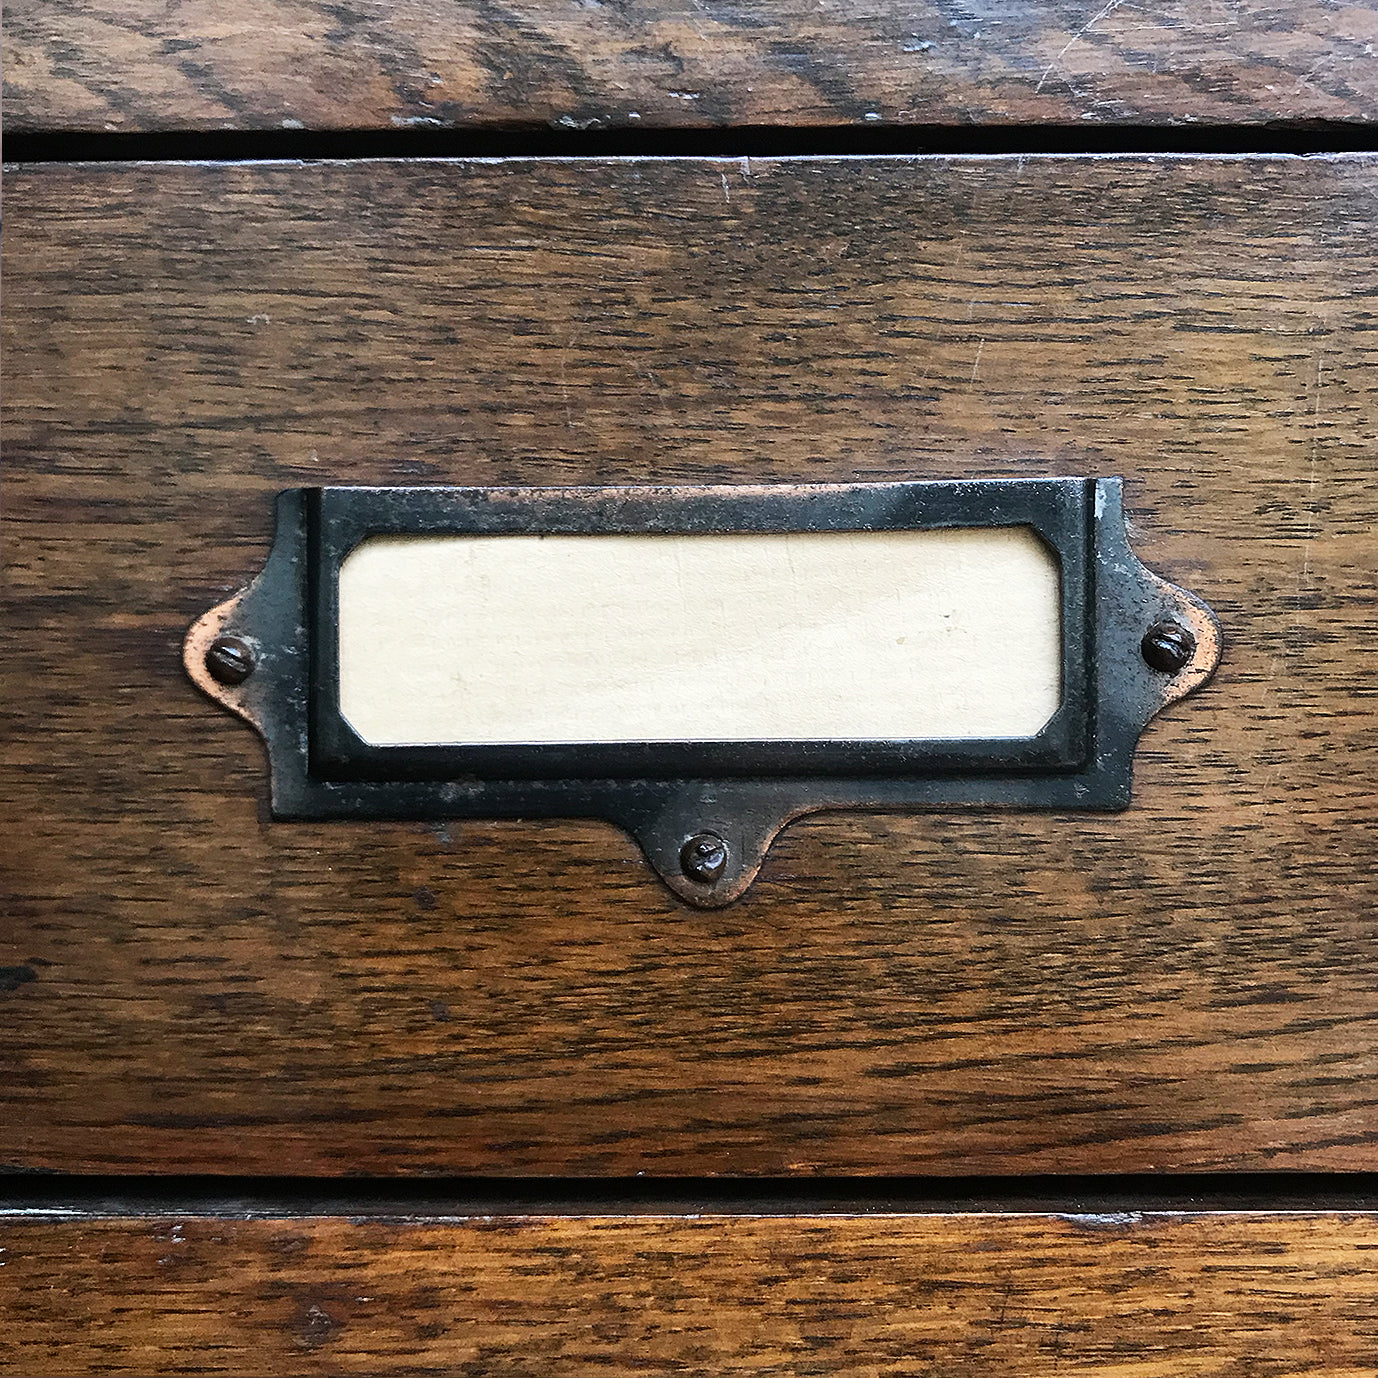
x,y
704,812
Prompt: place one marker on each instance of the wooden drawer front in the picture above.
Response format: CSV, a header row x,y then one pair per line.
x,y
1188,985
1014,1295
415,65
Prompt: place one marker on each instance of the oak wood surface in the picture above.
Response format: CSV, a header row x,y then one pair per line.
x,y
1129,1296
262,64
1191,984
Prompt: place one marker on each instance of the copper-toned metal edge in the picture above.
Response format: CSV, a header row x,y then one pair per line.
x,y
199,639
1204,626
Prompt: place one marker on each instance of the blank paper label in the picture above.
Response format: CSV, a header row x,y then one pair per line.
x,y
454,640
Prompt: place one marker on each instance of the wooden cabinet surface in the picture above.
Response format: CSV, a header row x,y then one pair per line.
x,y
1188,985
129,66
1170,1294
223,1006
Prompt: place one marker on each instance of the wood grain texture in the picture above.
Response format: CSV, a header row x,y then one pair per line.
x,y
1122,1296
128,65
1191,984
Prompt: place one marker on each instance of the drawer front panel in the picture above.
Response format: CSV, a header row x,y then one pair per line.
x,y
1008,1294
189,986
415,65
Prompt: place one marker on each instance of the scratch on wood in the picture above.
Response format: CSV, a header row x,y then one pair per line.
x,y
1081,33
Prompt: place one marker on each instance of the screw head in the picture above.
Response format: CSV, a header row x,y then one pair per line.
x,y
703,857
230,659
1168,647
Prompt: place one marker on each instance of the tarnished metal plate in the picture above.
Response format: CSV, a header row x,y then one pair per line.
x,y
704,811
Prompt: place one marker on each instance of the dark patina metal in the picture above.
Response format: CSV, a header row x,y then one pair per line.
x,y
740,793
